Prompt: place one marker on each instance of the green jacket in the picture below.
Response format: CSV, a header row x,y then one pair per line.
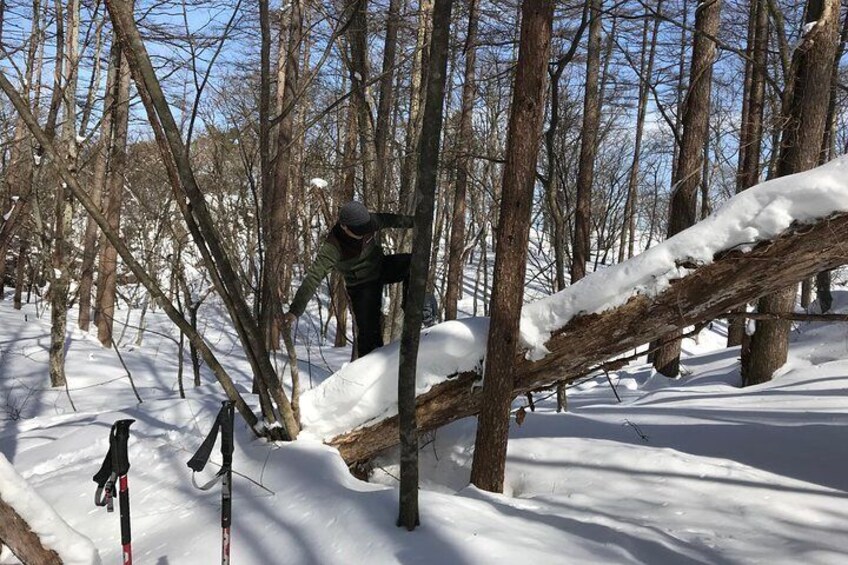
x,y
359,261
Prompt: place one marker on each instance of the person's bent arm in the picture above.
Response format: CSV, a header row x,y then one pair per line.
x,y
393,221
327,258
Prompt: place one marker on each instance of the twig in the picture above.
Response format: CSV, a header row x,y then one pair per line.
x,y
124,365
383,469
636,429
68,393
612,386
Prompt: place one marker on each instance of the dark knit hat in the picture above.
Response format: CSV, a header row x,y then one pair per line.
x,y
356,217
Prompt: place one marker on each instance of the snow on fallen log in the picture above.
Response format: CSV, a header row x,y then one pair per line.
x,y
755,215
365,391
759,241
33,530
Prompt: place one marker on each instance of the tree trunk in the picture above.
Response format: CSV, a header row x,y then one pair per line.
x,y
805,114
97,188
425,190
769,345
406,196
357,34
465,143
681,81
806,292
18,174
277,232
20,272
751,134
552,181
416,96
628,231
687,177
588,148
829,141
384,109
823,293
587,341
271,235
61,275
344,195
823,280
18,181
113,198
513,232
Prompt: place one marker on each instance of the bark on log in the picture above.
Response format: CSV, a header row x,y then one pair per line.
x,y
790,316
708,292
17,535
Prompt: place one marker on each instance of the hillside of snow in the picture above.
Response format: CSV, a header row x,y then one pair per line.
x,y
694,470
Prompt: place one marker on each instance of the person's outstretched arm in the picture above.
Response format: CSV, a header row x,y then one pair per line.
x,y
327,258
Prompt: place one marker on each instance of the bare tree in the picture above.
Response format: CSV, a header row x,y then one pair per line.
x,y
195,211
52,153
465,143
417,89
687,174
358,66
823,279
61,275
101,161
800,147
277,229
588,147
646,71
107,280
428,166
384,108
751,134
345,193
519,177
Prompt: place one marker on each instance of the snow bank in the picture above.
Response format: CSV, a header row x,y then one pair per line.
x,y
53,532
366,390
758,214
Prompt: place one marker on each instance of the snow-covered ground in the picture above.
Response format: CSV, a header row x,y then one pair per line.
x,y
688,471
694,470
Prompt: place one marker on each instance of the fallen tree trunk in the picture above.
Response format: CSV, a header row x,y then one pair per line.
x,y
790,316
19,537
708,292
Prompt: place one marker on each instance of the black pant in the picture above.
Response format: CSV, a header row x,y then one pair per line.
x,y
366,301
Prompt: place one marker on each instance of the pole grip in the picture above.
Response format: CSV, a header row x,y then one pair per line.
x,y
119,438
227,416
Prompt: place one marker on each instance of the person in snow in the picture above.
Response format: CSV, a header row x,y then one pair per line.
x,y
354,249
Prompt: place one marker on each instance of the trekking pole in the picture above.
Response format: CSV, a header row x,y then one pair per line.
x,y
224,424
227,413
115,466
